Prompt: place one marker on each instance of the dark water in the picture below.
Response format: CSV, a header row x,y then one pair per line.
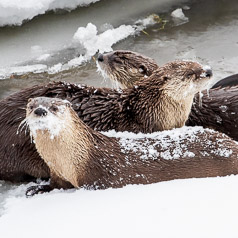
x,y
210,36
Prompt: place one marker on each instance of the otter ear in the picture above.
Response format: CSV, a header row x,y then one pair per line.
x,y
29,100
143,69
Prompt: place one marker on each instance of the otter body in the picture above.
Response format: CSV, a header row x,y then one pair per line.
x,y
81,157
152,106
216,109
229,81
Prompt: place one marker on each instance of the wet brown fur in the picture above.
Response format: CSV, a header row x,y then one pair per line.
x,y
82,157
217,109
100,108
127,67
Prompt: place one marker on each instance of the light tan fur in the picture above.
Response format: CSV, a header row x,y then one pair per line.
x,y
59,152
172,112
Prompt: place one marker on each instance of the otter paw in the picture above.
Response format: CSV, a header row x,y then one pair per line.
x,y
33,190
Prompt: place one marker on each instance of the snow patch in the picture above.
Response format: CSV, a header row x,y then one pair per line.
x,y
92,42
171,144
89,38
166,209
55,69
77,61
43,57
14,12
178,17
19,70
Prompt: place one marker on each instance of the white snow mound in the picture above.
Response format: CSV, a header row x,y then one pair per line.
x,y
14,12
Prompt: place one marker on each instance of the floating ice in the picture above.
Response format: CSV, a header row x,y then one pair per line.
x,y
55,69
89,38
92,42
179,17
77,61
43,57
19,70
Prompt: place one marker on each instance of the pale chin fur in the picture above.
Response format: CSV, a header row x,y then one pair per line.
x,y
207,86
103,72
50,123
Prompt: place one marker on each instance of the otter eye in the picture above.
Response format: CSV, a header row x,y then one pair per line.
x,y
117,60
31,107
54,108
165,78
189,74
142,69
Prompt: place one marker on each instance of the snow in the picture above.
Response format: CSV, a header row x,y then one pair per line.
x,y
87,37
223,108
52,123
76,61
19,70
171,143
181,208
186,208
178,13
55,69
93,42
14,12
43,57
179,17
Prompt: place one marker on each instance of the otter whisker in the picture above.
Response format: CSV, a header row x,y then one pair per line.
x,y
22,125
19,117
101,72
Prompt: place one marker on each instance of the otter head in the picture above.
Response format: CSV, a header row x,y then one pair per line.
x,y
180,79
46,115
52,123
125,67
168,93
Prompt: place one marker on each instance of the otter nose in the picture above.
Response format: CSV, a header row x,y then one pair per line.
x,y
208,72
100,57
40,112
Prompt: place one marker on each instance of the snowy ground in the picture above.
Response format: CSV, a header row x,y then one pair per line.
x,y
180,208
14,12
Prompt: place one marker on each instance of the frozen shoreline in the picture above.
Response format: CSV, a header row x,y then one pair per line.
x,y
86,37
14,12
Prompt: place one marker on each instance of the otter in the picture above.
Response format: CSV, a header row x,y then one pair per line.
x,y
80,157
151,106
127,68
216,109
229,81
